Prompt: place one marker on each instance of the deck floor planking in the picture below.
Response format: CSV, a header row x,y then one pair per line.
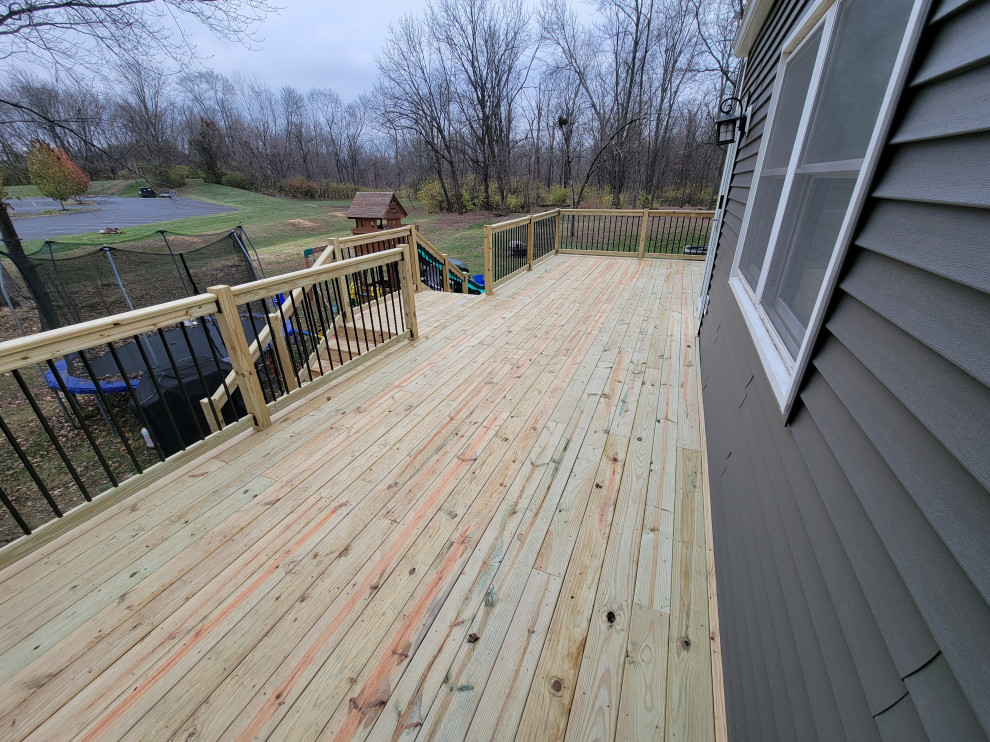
x,y
498,530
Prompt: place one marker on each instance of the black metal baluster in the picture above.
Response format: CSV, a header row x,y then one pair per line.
x,y
216,360
279,367
14,512
77,411
382,272
325,325
289,329
182,385
199,373
51,433
302,334
134,400
158,391
361,291
261,348
335,298
378,307
30,468
311,322
109,411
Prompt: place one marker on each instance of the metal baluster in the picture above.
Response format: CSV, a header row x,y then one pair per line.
x,y
51,434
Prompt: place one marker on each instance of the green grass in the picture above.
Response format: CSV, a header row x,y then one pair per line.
x,y
283,228
96,188
280,228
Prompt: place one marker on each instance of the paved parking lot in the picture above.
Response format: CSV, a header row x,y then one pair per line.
x,y
103,211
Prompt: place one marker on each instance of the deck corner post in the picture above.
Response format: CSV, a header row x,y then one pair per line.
x,y
530,232
556,232
645,221
489,263
408,292
234,341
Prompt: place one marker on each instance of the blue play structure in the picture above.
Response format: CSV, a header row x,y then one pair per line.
x,y
75,385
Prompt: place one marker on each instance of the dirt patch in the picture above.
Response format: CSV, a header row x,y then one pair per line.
x,y
338,214
302,223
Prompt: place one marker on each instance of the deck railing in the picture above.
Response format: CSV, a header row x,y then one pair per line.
x,y
86,407
517,244
437,272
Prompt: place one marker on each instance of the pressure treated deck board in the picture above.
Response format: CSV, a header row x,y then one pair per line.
x,y
417,550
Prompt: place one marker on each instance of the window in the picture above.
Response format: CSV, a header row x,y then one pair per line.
x,y
833,96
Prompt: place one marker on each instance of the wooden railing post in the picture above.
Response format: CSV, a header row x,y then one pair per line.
x,y
408,293
489,263
556,232
530,231
446,272
642,233
240,356
414,244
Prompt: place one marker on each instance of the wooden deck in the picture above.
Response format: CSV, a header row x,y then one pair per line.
x,y
500,530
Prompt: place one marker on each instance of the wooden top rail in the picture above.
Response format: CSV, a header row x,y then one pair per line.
x,y
636,212
519,221
371,237
266,287
51,344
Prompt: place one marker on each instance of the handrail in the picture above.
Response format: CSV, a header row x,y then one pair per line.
x,y
493,267
50,344
322,270
185,347
624,232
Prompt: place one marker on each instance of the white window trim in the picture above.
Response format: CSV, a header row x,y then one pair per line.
x,y
784,372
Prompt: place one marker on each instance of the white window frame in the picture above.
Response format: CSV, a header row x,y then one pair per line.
x,y
785,371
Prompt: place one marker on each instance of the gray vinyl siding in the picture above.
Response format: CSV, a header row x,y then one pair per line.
x,y
852,541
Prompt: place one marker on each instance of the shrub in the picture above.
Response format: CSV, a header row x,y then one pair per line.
x,y
236,180
431,196
54,173
559,196
336,191
514,202
298,187
166,176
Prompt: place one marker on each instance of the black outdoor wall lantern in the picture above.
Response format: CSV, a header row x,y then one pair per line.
x,y
729,122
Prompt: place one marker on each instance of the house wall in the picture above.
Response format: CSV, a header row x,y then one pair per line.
x,y
852,545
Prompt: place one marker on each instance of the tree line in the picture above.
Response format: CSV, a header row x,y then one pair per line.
x,y
478,104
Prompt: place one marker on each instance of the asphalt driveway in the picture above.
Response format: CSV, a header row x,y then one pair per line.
x,y
103,211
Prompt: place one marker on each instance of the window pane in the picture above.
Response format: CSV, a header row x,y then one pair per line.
x,y
793,92
797,273
790,104
856,74
857,70
765,205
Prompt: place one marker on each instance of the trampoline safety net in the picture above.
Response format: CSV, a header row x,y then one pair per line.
x,y
90,281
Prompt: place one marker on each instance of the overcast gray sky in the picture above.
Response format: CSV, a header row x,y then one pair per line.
x,y
312,44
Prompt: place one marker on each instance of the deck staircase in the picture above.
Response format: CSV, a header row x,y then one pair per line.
x,y
352,339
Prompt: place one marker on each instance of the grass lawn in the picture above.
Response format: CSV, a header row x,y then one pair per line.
x,y
283,228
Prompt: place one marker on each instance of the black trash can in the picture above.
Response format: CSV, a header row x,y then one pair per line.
x,y
190,424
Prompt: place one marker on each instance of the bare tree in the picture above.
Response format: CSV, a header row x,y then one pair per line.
x,y
67,35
